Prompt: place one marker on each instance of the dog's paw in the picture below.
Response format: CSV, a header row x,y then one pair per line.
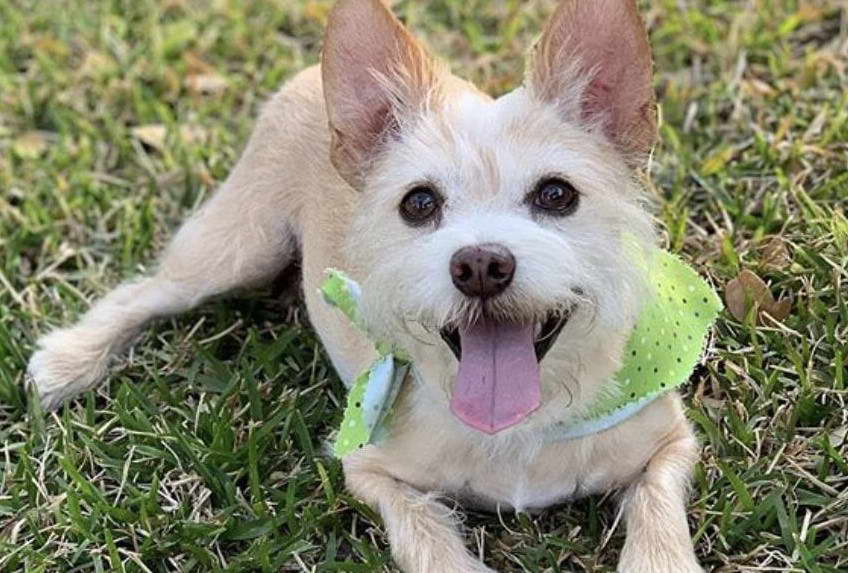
x,y
446,563
63,366
469,566
648,562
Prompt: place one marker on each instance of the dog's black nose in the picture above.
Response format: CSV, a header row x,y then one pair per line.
x,y
482,271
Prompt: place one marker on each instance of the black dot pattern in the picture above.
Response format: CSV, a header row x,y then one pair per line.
x,y
667,341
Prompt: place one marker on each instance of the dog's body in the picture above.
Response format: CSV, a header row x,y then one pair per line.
x,y
288,195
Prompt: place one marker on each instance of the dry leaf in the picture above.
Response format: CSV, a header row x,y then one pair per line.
x,y
749,290
206,83
780,310
31,144
745,290
776,254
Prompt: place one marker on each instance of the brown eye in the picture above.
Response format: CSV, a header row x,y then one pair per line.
x,y
421,205
556,197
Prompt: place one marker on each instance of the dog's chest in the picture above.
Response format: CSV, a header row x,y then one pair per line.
x,y
520,474
513,488
486,479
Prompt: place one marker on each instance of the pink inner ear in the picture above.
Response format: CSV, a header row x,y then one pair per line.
x,y
373,125
597,99
611,43
365,42
616,99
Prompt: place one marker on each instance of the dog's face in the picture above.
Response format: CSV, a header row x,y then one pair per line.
x,y
488,228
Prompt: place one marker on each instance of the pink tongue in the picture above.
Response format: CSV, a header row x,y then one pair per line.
x,y
498,382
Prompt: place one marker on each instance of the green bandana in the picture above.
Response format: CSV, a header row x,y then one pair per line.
x,y
660,355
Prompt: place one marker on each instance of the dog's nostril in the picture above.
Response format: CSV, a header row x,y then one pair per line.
x,y
495,271
465,273
482,271
498,270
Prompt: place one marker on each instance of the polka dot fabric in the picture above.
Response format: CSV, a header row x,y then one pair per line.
x,y
373,393
343,293
669,337
369,405
354,433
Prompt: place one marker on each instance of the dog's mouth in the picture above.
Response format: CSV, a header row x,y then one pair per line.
x,y
547,333
498,383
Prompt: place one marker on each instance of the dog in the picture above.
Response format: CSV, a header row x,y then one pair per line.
x,y
467,221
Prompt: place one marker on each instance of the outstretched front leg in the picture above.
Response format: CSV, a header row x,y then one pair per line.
x,y
422,531
658,538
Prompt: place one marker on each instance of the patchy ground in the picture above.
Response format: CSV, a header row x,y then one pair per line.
x,y
202,452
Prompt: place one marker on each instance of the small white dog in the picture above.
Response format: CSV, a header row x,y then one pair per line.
x,y
485,230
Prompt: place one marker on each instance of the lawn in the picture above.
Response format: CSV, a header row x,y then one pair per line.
x,y
204,450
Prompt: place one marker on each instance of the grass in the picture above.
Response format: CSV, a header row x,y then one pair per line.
x,y
203,452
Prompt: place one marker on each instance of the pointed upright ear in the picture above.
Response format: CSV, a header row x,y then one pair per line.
x,y
594,63
374,72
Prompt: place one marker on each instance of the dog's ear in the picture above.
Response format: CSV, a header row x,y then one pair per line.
x,y
594,63
374,72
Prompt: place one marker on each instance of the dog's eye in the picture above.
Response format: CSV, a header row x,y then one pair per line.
x,y
420,205
555,196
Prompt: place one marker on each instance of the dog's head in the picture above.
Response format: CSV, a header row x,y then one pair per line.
x,y
493,233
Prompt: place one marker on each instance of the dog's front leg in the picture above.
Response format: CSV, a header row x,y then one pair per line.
x,y
423,532
658,539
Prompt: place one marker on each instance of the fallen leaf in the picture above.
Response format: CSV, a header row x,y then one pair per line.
x,y
747,291
31,144
780,310
206,83
776,254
